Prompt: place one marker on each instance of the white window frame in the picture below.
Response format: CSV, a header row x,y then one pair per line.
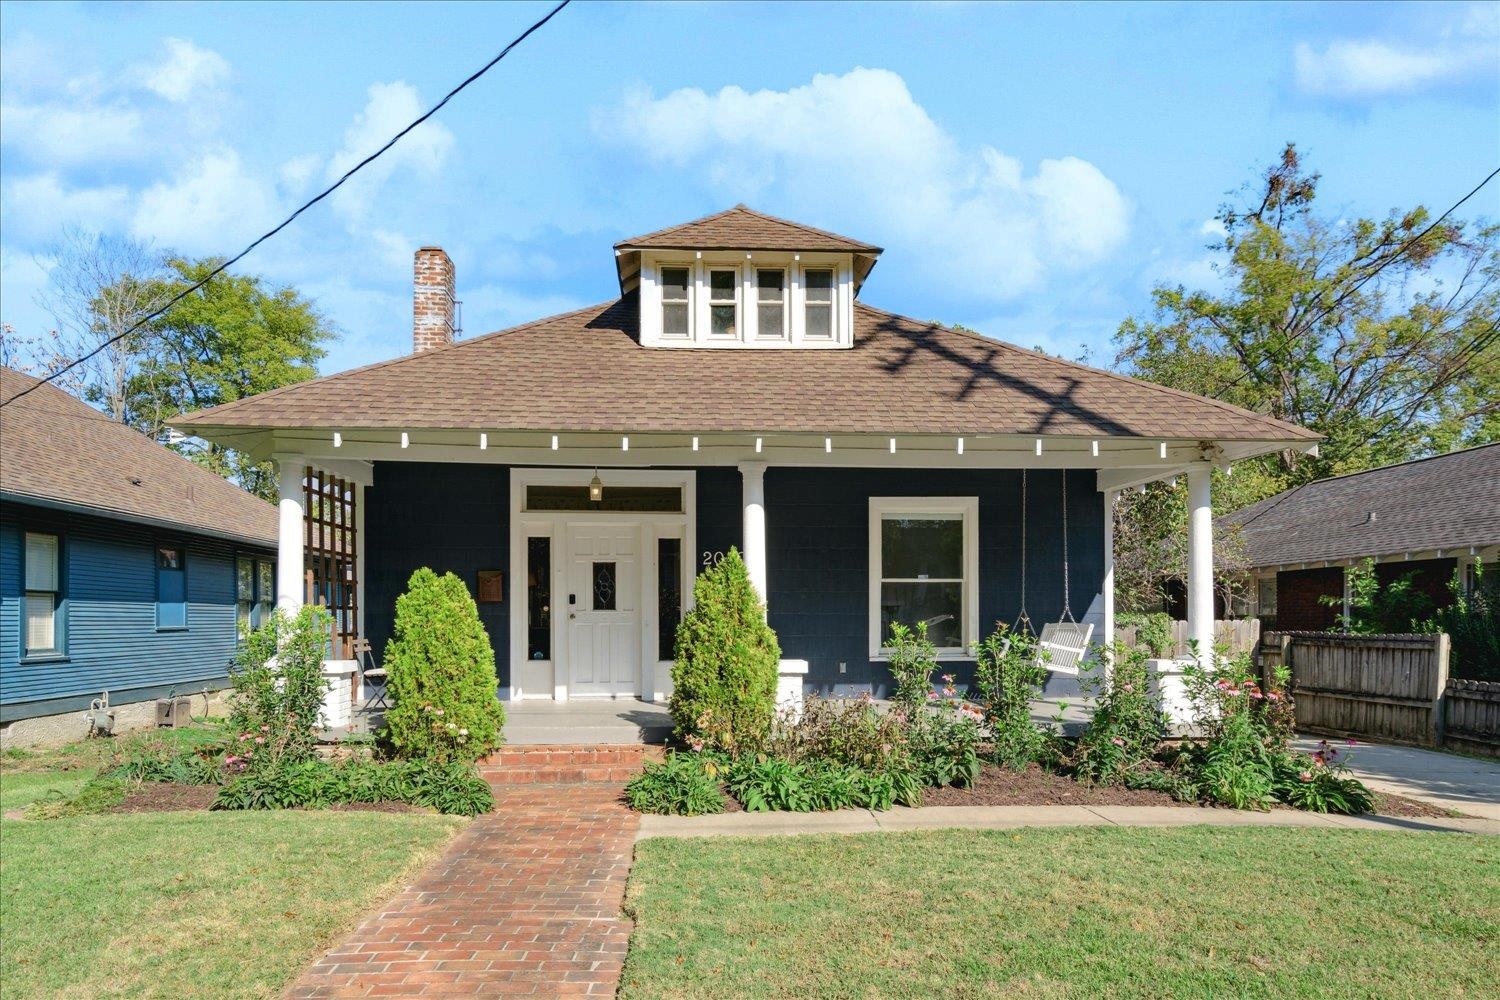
x,y
57,648
737,274
967,508
832,305
687,301
784,332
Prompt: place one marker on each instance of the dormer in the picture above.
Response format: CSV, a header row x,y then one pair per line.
x,y
741,279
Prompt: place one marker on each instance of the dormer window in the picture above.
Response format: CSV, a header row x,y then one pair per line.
x,y
674,302
723,303
818,301
770,297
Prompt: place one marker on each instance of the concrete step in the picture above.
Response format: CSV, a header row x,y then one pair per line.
x,y
536,733
565,763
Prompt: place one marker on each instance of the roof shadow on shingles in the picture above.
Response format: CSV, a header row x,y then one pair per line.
x,y
984,369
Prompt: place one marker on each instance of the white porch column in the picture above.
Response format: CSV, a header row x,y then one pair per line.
x,y
289,558
1107,586
753,495
1200,575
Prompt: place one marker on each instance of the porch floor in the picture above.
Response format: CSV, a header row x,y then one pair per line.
x,y
586,722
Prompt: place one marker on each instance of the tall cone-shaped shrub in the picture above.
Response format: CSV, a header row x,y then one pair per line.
x,y
724,677
441,671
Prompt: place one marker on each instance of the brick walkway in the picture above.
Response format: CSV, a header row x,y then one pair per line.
x,y
525,902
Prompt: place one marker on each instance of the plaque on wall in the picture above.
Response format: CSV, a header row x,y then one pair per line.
x,y
491,586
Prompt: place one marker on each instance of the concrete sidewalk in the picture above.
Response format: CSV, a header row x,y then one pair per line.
x,y
1468,785
1011,817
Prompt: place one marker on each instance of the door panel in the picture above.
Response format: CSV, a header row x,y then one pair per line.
x,y
604,613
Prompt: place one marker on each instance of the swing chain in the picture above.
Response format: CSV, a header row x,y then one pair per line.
x,y
1023,620
1067,611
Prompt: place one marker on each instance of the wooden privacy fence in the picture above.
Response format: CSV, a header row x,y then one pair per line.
x,y
1237,636
1384,687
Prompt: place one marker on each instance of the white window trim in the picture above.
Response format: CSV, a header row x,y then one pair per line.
x,y
784,334
55,650
833,305
968,509
740,329
661,306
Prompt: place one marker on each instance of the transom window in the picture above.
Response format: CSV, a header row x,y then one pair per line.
x,y
924,559
818,303
723,303
674,302
43,636
770,295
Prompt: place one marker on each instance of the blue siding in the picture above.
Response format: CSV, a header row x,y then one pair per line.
x,y
112,642
817,526
451,518
456,517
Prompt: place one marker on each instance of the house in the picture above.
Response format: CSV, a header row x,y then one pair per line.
x,y
578,470
124,567
1430,517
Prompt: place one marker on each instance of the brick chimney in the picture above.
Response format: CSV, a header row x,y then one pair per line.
x,y
432,300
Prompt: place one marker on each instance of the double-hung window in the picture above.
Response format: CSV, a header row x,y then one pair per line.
x,y
924,568
171,586
43,630
817,294
674,302
723,302
254,591
770,296
1265,597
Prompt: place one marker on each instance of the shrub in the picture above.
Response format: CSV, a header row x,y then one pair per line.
x,y
944,745
1472,622
1398,607
913,658
442,675
852,732
155,759
1008,677
762,784
1127,723
724,677
453,788
1319,782
278,688
681,785
1153,631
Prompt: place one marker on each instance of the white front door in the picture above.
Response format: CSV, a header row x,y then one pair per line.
x,y
604,608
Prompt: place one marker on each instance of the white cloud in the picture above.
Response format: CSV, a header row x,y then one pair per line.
x,y
390,108
186,71
39,206
211,206
858,146
1352,68
83,133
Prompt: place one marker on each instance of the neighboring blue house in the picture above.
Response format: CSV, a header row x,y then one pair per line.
x,y
123,567
577,471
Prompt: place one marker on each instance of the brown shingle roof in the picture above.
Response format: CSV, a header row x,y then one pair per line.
x,y
741,228
585,371
1445,502
54,448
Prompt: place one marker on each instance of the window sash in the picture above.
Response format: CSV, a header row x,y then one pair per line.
x,y
42,562
41,622
770,300
675,321
817,304
947,601
723,303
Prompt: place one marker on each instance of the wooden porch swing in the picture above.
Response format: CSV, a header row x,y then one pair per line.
x,y
1063,644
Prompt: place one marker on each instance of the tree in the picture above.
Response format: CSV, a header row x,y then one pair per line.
x,y
1383,335
442,674
724,677
232,338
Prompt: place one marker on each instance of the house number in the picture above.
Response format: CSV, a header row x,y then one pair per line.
x,y
712,559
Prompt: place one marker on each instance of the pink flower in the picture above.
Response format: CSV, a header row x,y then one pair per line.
x,y
1117,741
947,678
1350,743
1127,688
265,729
696,744
260,739
1306,776
1274,696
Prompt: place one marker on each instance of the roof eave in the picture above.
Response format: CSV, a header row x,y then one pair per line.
x,y
72,506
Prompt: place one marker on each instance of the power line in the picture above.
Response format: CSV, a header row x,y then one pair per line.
x,y
290,218
1396,254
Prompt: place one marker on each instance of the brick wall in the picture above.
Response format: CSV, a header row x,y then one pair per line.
x,y
1298,608
432,299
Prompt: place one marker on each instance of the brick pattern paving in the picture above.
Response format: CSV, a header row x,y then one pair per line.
x,y
525,902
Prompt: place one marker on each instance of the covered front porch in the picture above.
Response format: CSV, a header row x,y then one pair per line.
x,y
581,559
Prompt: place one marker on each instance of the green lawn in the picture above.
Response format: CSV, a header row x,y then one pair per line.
x,y
190,903
1086,913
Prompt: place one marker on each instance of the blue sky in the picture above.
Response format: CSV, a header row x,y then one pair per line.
x,y
1032,170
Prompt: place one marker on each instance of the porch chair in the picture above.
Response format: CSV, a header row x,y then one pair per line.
x,y
376,677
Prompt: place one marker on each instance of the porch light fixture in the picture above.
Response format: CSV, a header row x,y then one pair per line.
x,y
338,439
596,488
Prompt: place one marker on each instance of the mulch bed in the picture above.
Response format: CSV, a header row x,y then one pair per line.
x,y
1396,805
1035,786
160,796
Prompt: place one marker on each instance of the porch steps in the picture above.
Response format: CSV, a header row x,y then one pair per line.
x,y
565,764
